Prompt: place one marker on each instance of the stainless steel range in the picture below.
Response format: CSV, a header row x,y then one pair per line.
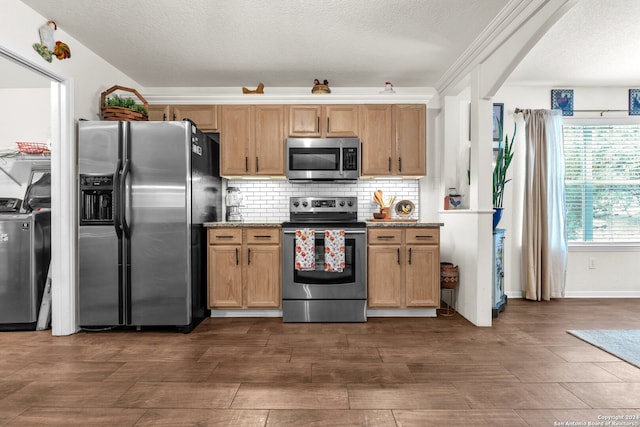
x,y
324,267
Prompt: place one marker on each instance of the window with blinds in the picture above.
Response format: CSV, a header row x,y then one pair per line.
x,y
602,182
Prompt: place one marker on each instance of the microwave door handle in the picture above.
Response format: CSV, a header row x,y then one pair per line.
x,y
340,167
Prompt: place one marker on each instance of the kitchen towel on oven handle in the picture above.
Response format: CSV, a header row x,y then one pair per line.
x,y
334,251
305,259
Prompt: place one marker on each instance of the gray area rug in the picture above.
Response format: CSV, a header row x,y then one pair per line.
x,y
622,343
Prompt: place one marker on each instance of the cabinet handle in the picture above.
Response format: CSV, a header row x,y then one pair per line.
x,y
246,164
409,255
328,127
389,164
224,236
399,164
384,237
237,259
257,168
164,117
398,256
174,117
262,236
249,256
318,124
424,237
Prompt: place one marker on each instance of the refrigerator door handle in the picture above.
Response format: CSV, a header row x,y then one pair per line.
x,y
117,202
123,197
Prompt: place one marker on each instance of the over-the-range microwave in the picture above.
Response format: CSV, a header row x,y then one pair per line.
x,y
323,159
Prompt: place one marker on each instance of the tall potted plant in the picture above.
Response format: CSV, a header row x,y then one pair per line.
x,y
503,161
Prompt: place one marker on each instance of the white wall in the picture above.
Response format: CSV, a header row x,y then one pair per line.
x,y
91,74
616,270
25,115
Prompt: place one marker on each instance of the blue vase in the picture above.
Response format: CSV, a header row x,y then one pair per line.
x,y
497,216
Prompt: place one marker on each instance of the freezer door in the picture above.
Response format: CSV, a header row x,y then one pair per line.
x,y
17,303
100,284
158,216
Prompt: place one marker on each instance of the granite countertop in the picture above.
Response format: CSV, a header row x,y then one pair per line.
x,y
241,224
369,224
403,224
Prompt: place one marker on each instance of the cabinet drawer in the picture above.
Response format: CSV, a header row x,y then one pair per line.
x,y
384,236
225,236
263,235
424,236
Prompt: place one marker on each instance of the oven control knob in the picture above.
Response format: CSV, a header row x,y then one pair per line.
x,y
350,203
296,203
305,204
342,203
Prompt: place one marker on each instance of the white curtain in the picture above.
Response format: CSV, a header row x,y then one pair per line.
x,y
544,240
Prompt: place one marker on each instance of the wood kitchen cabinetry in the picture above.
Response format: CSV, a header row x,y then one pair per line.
x,y
393,139
244,267
206,117
252,140
403,267
319,121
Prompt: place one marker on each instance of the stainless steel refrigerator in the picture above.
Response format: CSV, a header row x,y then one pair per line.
x,y
145,190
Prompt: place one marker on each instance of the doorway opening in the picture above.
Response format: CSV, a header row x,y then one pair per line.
x,y
63,178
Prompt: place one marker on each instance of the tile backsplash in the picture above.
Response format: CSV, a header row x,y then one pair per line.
x,y
268,200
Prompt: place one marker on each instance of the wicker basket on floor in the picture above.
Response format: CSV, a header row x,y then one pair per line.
x,y
122,113
448,275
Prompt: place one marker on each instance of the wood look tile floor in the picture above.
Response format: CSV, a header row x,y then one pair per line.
x,y
524,371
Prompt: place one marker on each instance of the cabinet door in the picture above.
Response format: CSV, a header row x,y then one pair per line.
x,y
384,276
304,120
159,113
340,121
409,132
269,140
263,276
235,140
422,276
225,276
375,134
204,116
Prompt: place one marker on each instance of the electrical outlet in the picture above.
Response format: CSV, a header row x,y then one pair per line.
x,y
592,263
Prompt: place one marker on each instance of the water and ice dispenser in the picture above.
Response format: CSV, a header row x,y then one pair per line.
x,y
96,199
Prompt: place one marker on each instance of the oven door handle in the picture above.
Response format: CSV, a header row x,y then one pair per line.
x,y
346,232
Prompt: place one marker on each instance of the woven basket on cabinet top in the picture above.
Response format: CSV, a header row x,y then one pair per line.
x,y
122,113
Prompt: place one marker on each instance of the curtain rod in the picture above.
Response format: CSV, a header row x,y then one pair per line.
x,y
519,110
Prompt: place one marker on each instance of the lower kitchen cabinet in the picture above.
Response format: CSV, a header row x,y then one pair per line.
x,y
403,267
244,267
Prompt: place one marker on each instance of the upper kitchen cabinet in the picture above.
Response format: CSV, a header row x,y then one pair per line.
x,y
252,140
204,116
409,130
375,136
393,139
320,121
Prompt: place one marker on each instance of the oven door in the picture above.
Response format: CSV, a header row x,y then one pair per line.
x,y
351,283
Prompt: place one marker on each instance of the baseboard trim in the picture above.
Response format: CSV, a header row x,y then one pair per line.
x,y
402,312
589,294
246,313
602,294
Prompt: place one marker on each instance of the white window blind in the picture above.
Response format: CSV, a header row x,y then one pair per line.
x,y
602,182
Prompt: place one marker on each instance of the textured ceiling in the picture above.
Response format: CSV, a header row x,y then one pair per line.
x,y
355,43
172,43
592,45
